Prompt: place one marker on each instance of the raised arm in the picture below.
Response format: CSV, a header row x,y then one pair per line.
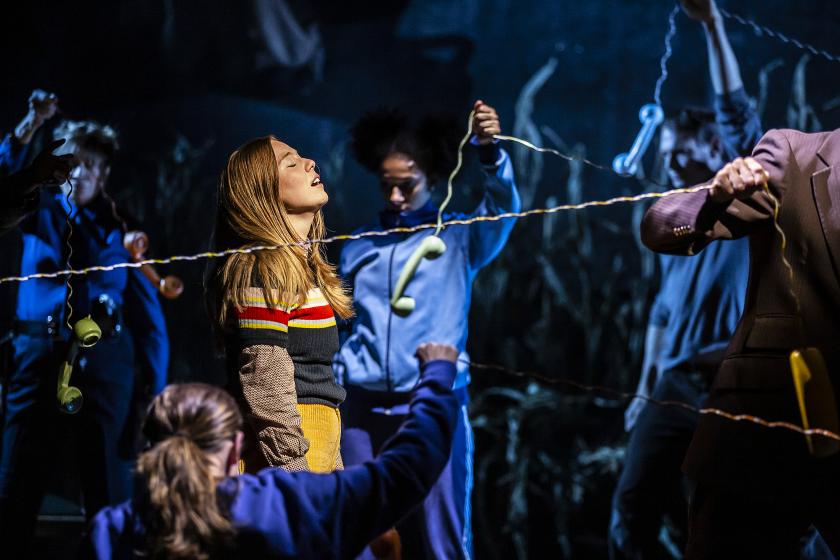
x,y
339,513
657,323
486,239
723,66
734,207
19,192
307,515
740,125
42,107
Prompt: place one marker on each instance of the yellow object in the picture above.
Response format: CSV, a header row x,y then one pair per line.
x,y
815,397
430,248
801,375
69,398
321,425
86,333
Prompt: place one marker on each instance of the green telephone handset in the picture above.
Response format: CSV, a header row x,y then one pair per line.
x,y
86,333
431,248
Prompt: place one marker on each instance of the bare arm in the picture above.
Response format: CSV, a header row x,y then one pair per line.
x,y
650,374
650,362
723,66
42,107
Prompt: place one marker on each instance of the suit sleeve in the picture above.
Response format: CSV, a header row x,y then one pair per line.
x,y
684,224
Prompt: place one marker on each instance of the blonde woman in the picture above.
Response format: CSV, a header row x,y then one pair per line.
x,y
276,309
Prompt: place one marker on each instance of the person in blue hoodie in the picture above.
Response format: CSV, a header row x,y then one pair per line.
x,y
124,304
375,362
190,503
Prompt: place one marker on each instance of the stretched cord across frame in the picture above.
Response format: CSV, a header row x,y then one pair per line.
x,y
625,396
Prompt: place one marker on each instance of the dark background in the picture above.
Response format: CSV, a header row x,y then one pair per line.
x,y
187,81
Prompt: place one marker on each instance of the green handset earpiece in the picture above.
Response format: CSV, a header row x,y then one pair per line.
x,y
431,248
86,333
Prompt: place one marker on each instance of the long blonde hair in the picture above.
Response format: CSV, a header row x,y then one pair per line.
x,y
182,514
250,213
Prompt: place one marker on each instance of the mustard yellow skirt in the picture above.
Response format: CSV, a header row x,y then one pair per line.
x,y
321,425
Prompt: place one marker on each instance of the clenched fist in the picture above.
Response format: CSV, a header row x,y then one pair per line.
x,y
485,122
738,179
43,105
431,351
704,11
48,168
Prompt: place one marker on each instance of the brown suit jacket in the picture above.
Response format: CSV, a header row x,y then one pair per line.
x,y
755,377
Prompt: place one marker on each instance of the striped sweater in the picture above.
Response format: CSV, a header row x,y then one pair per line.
x,y
309,333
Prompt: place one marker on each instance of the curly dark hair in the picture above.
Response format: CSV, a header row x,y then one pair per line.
x,y
695,122
432,141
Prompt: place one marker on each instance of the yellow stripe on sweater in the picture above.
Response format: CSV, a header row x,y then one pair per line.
x,y
312,323
259,324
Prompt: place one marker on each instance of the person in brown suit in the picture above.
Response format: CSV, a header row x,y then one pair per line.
x,y
758,489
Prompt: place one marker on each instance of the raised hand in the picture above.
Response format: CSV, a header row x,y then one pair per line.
x,y
485,122
44,105
48,168
703,11
738,179
431,351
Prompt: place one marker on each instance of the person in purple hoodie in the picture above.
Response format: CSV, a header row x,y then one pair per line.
x,y
190,503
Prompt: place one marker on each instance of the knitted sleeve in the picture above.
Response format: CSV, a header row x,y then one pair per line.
x,y
267,378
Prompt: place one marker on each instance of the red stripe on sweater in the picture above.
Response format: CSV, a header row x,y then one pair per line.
x,y
312,313
263,314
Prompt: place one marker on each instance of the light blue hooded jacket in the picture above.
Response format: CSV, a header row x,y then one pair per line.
x,y
379,353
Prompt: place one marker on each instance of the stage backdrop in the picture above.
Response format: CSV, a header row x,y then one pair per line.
x,y
185,82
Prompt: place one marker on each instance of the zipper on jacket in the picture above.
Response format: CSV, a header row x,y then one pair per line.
x,y
388,385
